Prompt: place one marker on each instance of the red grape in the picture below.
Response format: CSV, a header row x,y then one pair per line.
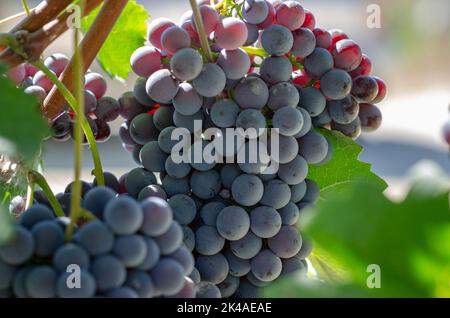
x,y
347,55
382,91
210,19
17,74
364,68
323,38
337,35
364,88
156,29
174,39
231,33
370,117
310,20
146,60
291,15
95,83
271,18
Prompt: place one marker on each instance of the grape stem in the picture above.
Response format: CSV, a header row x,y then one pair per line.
x,y
98,169
26,7
37,178
78,134
201,30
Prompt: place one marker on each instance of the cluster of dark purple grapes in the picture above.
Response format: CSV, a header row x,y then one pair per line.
x,y
133,248
99,109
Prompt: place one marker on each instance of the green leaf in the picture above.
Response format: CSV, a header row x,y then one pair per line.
x,y
344,168
6,224
128,34
22,127
359,226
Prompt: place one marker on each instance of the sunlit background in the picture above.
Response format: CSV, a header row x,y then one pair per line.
x,y
410,52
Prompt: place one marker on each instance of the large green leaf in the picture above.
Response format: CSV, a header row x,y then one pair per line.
x,y
344,168
22,127
359,226
128,34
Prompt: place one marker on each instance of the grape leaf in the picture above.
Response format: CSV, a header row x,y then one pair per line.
x,y
22,127
344,168
128,34
359,227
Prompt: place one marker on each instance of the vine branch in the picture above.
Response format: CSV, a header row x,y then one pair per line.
x,y
201,30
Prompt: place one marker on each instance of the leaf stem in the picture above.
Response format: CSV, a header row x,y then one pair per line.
x,y
39,179
98,169
201,29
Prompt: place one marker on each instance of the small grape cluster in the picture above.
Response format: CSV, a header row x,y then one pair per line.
x,y
100,110
126,249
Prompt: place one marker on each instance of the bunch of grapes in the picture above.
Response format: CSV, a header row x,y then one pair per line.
x,y
128,248
100,110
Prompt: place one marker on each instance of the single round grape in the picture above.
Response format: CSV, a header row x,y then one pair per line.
x,y
228,174
152,255
252,34
211,81
108,271
48,237
152,157
319,62
57,62
157,216
292,266
286,243
255,11
111,181
347,55
163,117
207,290
35,214
382,91
287,151
40,282
352,130
283,94
156,29
69,254
205,184
187,122
152,191
294,172
18,283
130,249
298,192
276,194
177,170
251,118
174,39
62,126
107,109
161,87
323,38
169,241
370,117
336,84
323,120
233,223
140,282
364,88
42,80
289,214
123,215
188,238
276,69
229,286
186,64
145,61
247,190
184,257
247,247
291,15
247,290
96,200
96,238
235,63
209,212
184,208
312,192
343,111
224,113
364,68
238,267
304,43
140,92
265,221
104,131
96,84
174,186
130,107
137,179
121,292
277,40
266,266
288,120
210,19
231,33
208,240
188,291
86,290
213,268
337,35
313,147
252,92
187,102
165,141
37,92
168,276
312,100
85,187
255,281
310,20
